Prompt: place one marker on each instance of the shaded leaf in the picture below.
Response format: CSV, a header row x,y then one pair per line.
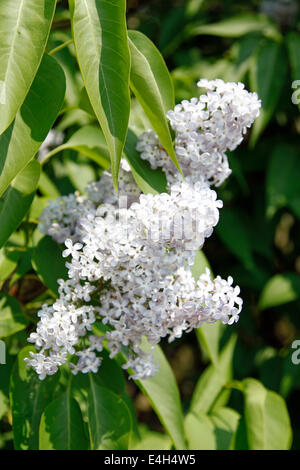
x,y
28,398
148,180
61,426
17,199
109,419
22,139
49,263
233,232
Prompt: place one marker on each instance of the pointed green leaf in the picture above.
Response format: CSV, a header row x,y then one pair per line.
x,y
100,38
152,85
109,419
213,379
12,318
24,31
162,391
22,139
90,141
235,26
62,427
28,398
280,289
17,199
267,419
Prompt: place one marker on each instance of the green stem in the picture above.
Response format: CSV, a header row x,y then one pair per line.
x,y
60,47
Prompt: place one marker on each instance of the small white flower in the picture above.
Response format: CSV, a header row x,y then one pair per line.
x,y
72,249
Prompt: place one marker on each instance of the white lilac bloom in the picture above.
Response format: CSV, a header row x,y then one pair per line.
x,y
205,128
129,264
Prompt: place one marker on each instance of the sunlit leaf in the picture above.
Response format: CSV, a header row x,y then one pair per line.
x,y
100,38
24,30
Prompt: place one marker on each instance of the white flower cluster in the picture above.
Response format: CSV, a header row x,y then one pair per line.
x,y
129,265
205,129
61,218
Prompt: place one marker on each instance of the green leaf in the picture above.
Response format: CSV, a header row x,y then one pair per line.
x,y
280,289
151,83
233,232
62,427
213,379
12,318
267,419
4,384
148,180
226,421
24,31
22,139
110,374
192,7
90,141
211,432
162,392
209,335
109,419
234,27
151,440
199,431
46,187
268,71
49,272
8,262
283,179
28,397
18,199
100,38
